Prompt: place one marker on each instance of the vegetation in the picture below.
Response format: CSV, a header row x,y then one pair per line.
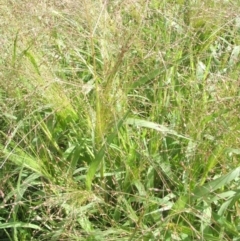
x,y
119,120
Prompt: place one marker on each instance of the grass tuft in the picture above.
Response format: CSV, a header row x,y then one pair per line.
x,y
119,120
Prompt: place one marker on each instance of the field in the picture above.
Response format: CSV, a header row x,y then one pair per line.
x,y
119,120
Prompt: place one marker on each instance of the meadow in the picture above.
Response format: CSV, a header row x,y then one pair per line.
x,y
119,120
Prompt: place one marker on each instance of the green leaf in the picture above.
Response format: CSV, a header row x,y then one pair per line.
x,y
180,204
14,57
99,157
212,162
155,126
231,151
19,225
23,159
33,61
223,222
144,80
204,190
233,197
153,74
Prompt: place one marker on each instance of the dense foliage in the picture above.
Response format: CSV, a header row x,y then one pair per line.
x,y
119,120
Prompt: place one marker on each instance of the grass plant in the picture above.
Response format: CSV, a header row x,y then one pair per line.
x,y
119,120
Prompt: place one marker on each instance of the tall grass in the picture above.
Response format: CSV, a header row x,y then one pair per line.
x,y
119,120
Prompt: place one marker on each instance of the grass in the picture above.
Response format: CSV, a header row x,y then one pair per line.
x,y
119,120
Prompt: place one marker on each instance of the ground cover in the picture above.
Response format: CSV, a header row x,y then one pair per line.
x,y
119,120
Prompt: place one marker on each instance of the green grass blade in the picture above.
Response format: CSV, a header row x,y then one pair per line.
x,y
153,74
144,80
33,61
19,225
151,125
14,50
180,204
22,159
99,157
203,191
212,162
210,187
223,222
